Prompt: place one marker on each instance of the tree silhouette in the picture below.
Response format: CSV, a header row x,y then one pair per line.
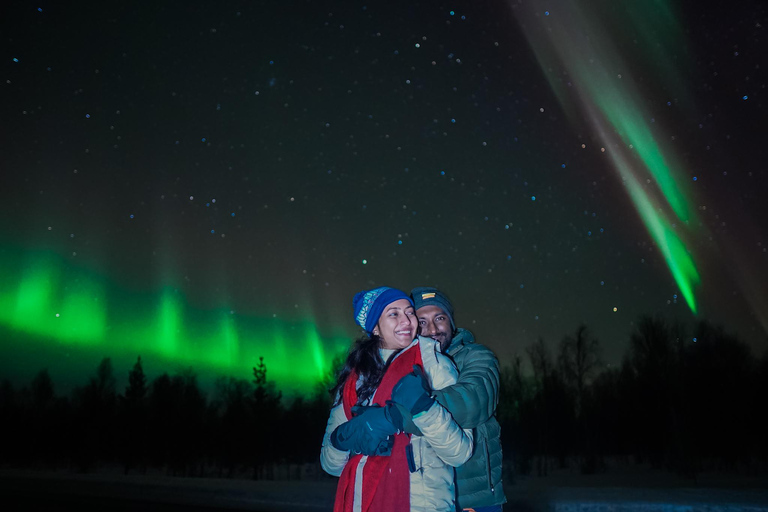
x,y
541,362
651,346
552,409
329,378
652,358
95,416
578,362
267,422
11,412
190,441
234,413
137,384
720,370
42,390
177,409
41,420
133,420
515,393
164,398
760,412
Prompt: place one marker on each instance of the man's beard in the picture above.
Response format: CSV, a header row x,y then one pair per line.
x,y
443,338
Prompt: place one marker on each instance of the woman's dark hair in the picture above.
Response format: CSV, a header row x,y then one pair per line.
x,y
364,358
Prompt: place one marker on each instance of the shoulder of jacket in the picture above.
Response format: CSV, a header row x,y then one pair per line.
x,y
474,356
478,347
471,346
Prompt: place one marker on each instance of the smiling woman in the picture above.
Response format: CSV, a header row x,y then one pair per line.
x,y
389,374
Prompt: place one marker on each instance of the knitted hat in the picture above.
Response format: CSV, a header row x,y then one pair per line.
x,y
370,304
428,296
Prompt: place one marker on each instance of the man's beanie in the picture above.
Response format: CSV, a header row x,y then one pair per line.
x,y
428,296
370,304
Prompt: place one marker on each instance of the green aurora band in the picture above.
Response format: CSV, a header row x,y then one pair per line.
x,y
45,301
569,37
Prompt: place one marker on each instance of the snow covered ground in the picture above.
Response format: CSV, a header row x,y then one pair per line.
x,y
636,490
141,491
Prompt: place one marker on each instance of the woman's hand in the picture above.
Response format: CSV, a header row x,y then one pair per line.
x,y
370,431
413,392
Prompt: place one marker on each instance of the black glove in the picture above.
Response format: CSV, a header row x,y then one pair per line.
x,y
413,391
369,432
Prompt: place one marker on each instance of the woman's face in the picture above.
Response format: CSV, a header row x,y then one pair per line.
x,y
397,325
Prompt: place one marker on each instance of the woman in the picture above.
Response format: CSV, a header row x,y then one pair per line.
x,y
389,368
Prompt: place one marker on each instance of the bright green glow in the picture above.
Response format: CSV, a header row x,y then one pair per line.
x,y
279,352
575,42
50,300
230,343
34,311
169,324
677,257
83,317
107,321
315,351
623,113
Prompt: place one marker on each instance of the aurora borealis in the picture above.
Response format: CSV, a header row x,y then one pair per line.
x,y
56,304
613,112
204,185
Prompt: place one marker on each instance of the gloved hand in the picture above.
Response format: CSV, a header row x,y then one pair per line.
x,y
369,432
413,392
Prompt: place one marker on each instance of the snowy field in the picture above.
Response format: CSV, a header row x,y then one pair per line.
x,y
635,490
68,491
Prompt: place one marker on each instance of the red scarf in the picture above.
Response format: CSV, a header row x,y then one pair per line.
x,y
386,479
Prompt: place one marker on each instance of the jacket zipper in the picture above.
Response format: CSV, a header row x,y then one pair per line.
x,y
488,464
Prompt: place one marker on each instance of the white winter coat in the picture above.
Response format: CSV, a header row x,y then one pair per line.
x,y
443,446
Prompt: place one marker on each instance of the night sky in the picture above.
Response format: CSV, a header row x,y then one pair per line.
x,y
204,183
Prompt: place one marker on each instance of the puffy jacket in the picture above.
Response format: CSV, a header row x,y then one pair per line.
x,y
472,402
443,445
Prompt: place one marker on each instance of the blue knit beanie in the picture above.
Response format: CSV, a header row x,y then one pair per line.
x,y
428,296
370,304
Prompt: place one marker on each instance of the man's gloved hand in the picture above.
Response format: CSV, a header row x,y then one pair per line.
x,y
370,431
413,392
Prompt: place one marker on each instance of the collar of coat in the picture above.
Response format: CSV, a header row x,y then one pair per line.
x,y
461,338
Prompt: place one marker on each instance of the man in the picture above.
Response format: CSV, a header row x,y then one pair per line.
x,y
472,400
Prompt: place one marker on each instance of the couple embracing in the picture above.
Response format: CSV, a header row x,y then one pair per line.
x,y
413,425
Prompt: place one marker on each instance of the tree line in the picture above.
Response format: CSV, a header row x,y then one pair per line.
x,y
168,424
679,401
688,403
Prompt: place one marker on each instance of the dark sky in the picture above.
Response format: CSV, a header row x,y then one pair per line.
x,y
274,158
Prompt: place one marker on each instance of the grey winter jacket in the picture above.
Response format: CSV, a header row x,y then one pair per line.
x,y
472,402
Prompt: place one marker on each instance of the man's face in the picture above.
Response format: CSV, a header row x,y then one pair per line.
x,y
433,322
